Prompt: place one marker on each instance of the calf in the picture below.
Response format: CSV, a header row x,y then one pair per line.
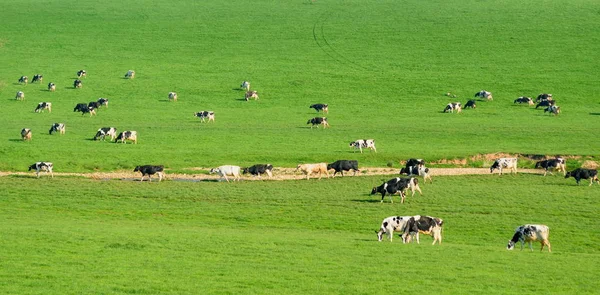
x,y
320,107
553,110
23,80
552,164
394,224
81,74
130,74
530,233
582,173
42,166
57,127
484,94
37,78
77,84
104,131
43,106
524,99
544,97
309,169
127,135
259,169
26,134
318,121
363,144
545,103
103,101
172,96
251,94
504,163
150,170
427,225
470,104
227,170
343,165
245,85
20,95
453,106
51,87
205,114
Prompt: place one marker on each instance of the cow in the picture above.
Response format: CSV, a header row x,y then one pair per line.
x,y
103,101
227,170
130,74
484,94
320,107
57,127
84,109
504,163
203,115
251,94
245,85
582,173
530,233
43,106
77,84
471,104
172,96
453,106
51,87
26,134
552,164
545,103
37,78
419,169
309,169
363,144
81,74
394,224
20,95
104,131
427,225
259,169
23,80
127,135
150,170
343,165
544,97
552,110
524,99
318,121
397,186
93,105
414,162
42,166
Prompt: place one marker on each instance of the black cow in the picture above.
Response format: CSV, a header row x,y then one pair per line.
x,y
94,104
320,107
343,165
318,121
471,104
554,164
582,173
37,78
259,169
391,187
543,97
81,73
150,170
77,84
414,162
84,109
545,103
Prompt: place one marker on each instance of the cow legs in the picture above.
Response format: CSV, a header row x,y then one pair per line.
x,y
547,243
225,176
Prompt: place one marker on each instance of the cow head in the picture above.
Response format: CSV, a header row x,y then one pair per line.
x,y
496,165
568,174
137,168
511,245
214,170
31,167
245,170
379,235
374,190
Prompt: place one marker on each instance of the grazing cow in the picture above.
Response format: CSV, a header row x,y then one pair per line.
x,y
471,104
127,135
37,78
363,144
259,169
43,106
453,106
77,84
420,170
504,163
172,96
545,103
81,74
524,99
553,110
23,80
42,166
227,170
245,85
582,173
20,95
394,224
318,121
51,87
93,105
552,164
414,162
57,127
530,233
251,94
150,170
203,115
397,186
130,74
320,107
343,165
84,109
544,97
427,225
309,169
484,94
103,101
104,131
26,134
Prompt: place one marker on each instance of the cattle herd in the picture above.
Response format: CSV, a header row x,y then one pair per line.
x,y
409,227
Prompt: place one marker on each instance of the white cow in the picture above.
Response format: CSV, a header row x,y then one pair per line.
x,y
20,95
505,163
245,85
309,169
363,144
228,170
529,233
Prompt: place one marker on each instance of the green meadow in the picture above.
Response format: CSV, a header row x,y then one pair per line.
x,y
383,67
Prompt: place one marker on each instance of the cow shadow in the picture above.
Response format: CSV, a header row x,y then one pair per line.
x,y
595,114
241,99
164,100
238,89
366,200
15,140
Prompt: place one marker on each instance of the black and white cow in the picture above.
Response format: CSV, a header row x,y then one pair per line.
x,y
530,233
251,94
20,95
552,164
104,131
130,74
57,127
77,84
259,169
203,115
26,134
23,80
505,163
245,85
471,104
127,135
51,87
172,96
103,101
553,110
484,94
582,173
320,107
361,144
37,78
397,186
545,103
318,121
524,99
544,97
427,225
93,105
81,74
414,162
343,165
419,170
150,170
42,166
453,106
84,109
43,106
395,224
